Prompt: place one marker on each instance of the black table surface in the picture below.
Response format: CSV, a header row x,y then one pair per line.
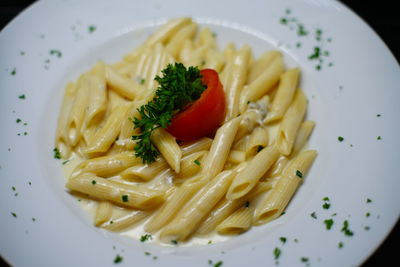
x,y
381,16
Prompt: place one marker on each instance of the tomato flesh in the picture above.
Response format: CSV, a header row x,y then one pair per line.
x,y
205,115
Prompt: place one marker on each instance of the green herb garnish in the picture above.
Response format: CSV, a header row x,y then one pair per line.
x,y
91,28
174,242
56,52
178,87
313,215
328,223
118,259
340,245
277,253
57,154
345,229
299,174
218,264
340,138
21,97
14,71
145,238
369,200
197,162
283,239
14,214
94,182
124,198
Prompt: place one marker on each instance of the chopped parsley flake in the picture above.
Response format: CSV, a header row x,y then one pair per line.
x,y
209,242
65,162
56,52
328,223
367,214
18,120
366,228
147,253
299,174
14,71
218,264
378,115
326,205
57,154
197,162
94,182
125,198
313,215
118,259
340,245
174,242
14,214
345,229
379,138
283,239
304,259
145,237
369,200
21,96
33,219
340,138
91,28
13,188
277,253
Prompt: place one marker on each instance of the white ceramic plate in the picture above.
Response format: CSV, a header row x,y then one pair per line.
x,y
354,95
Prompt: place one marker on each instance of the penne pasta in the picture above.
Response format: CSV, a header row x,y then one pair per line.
x,y
275,202
290,123
121,194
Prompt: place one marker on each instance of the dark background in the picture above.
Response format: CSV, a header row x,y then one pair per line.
x,y
382,16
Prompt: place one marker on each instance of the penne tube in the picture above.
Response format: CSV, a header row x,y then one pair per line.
x,y
238,222
107,166
175,45
303,134
120,84
262,84
97,96
214,60
103,212
235,80
190,147
220,147
105,136
206,37
167,31
276,201
144,172
186,52
171,207
226,207
62,140
262,63
284,95
121,194
255,169
168,148
290,123
191,164
258,140
78,110
237,156
124,222
197,208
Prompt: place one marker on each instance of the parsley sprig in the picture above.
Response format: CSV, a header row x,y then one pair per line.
x,y
178,87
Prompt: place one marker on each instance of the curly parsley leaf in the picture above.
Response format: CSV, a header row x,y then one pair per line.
x,y
178,87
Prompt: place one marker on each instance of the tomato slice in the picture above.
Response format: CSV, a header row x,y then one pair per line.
x,y
204,115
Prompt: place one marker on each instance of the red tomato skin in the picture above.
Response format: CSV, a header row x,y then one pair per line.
x,y
205,115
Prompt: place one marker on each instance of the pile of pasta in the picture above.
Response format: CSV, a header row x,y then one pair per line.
x,y
244,175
